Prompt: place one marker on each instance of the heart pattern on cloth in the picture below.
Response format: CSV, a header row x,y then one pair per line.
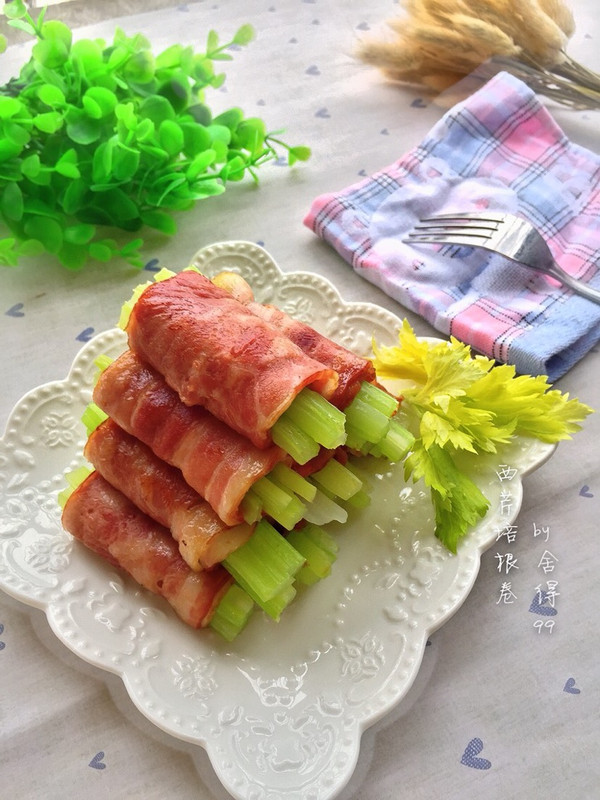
x,y
97,762
15,311
470,758
570,687
537,606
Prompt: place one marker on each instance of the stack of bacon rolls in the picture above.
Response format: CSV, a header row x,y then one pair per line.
x,y
221,446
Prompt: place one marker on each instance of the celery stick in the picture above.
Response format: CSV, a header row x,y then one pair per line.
x,y
73,478
378,398
355,442
361,499
338,480
290,479
251,507
323,509
265,563
365,421
128,305
231,616
276,604
162,274
397,442
320,550
318,418
103,361
279,503
92,417
287,435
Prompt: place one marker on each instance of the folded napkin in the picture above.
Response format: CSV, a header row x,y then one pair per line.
x,y
498,150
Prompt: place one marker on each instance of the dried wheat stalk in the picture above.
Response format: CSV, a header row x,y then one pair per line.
x,y
437,42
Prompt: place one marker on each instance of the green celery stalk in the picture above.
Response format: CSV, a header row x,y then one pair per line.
x,y
264,564
287,435
294,482
277,502
318,418
366,421
74,478
378,398
336,479
318,547
92,417
232,613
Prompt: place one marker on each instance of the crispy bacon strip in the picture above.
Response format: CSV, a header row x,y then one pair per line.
x,y
216,353
108,523
220,464
160,490
351,369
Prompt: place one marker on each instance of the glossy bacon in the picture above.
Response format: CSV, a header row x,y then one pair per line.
x,y
216,353
220,464
352,370
160,490
104,520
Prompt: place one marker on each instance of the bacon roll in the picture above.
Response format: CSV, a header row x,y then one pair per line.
x,y
160,491
216,461
214,352
108,523
351,369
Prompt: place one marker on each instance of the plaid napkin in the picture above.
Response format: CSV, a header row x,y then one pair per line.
x,y
498,150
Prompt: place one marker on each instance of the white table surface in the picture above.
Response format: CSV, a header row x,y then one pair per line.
x,y
530,693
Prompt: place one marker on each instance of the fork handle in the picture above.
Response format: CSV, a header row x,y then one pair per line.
x,y
577,286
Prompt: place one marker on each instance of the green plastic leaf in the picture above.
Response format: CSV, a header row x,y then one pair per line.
x,y
8,149
159,220
212,42
50,53
121,206
15,9
9,107
51,96
230,118
3,43
156,108
67,164
16,133
140,67
244,35
171,137
74,197
91,107
11,202
169,58
145,130
103,161
196,138
299,153
30,166
103,98
46,230
79,234
56,31
81,129
22,25
100,252
48,122
200,164
73,256
177,91
125,163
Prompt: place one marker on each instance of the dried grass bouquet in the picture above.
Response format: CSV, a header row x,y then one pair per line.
x,y
438,42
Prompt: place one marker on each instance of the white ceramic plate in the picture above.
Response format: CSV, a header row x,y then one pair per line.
x,y
281,710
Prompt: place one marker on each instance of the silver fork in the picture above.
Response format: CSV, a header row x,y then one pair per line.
x,y
512,237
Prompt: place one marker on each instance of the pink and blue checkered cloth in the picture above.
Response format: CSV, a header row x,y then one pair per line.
x,y
498,150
